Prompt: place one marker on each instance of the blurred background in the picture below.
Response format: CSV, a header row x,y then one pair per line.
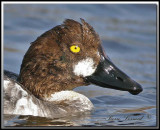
x,y
128,34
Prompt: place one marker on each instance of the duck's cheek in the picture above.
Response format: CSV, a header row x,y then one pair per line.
x,y
85,67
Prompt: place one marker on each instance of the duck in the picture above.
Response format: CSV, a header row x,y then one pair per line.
x,y
63,58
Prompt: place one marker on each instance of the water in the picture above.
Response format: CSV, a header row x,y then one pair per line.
x,y
128,34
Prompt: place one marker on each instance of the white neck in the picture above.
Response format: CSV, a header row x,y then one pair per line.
x,y
71,98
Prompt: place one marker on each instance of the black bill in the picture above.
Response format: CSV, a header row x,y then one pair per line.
x,y
109,76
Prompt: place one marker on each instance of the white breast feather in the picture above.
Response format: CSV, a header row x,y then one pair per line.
x,y
72,97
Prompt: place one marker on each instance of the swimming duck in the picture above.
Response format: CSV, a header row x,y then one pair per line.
x,y
63,58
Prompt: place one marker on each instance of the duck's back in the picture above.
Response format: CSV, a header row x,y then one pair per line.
x,y
19,101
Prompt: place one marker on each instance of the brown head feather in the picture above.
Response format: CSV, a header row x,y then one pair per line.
x,y
47,66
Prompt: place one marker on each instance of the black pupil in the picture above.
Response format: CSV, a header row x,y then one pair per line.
x,y
75,48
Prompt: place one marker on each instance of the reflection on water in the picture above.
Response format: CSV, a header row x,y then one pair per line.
x,y
10,49
137,109
128,34
136,117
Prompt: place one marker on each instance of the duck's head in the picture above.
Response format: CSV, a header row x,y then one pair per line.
x,y
68,56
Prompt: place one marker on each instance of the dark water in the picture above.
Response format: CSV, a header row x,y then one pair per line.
x,y
128,34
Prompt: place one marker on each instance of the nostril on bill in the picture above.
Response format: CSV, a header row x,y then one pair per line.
x,y
119,78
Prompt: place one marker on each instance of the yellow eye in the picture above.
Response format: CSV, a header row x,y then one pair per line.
x,y
75,49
